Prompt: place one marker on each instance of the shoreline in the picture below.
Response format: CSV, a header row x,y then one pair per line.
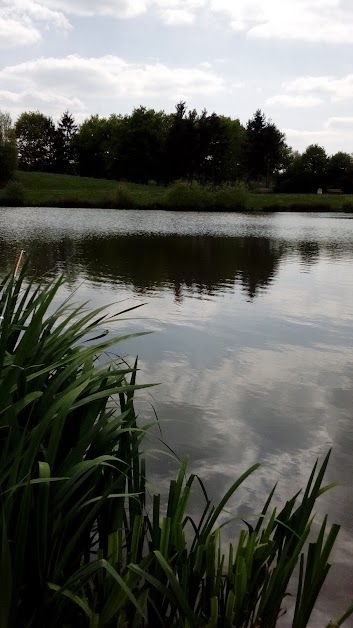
x,y
266,209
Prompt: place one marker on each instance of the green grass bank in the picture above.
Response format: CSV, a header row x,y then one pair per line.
x,y
36,189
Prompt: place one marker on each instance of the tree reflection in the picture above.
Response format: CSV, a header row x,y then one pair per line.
x,y
186,264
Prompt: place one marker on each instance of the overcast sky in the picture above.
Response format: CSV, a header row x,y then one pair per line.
x,y
291,58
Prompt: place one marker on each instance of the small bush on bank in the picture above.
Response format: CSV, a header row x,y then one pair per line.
x,y
186,195
121,199
230,197
194,196
13,195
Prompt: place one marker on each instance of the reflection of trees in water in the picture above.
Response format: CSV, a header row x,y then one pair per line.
x,y
47,257
309,252
199,264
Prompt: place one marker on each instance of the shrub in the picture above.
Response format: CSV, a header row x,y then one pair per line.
x,y
121,199
13,195
230,197
187,195
194,196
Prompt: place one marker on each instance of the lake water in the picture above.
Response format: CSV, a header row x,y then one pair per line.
x,y
253,332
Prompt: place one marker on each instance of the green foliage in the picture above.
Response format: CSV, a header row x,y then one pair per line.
x,y
68,450
231,197
264,148
191,195
340,171
121,199
149,145
91,145
53,190
82,544
65,157
36,141
8,148
314,169
152,145
186,195
13,195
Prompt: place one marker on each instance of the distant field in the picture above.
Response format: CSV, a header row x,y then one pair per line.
x,y
43,189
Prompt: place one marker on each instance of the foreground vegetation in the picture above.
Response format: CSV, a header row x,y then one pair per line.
x,y
82,541
37,189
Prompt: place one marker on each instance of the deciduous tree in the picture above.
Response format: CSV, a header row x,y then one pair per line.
x,y
8,148
36,141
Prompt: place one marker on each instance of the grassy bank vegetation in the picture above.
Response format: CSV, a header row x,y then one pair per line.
x,y
53,190
83,543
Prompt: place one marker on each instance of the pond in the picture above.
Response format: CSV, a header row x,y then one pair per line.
x,y
253,331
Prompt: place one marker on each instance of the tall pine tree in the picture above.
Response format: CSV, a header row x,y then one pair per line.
x,y
264,148
64,150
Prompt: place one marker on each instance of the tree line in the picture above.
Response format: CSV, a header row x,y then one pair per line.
x,y
149,145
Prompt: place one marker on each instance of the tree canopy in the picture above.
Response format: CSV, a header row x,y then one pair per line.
x,y
8,148
153,146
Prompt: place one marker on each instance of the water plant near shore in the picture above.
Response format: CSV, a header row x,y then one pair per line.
x,y
81,542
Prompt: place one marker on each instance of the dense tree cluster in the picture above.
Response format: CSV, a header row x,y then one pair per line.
x,y
8,148
315,169
150,145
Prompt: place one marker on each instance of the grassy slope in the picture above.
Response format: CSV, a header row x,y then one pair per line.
x,y
42,189
49,189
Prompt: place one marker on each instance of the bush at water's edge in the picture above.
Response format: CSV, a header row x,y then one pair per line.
x,y
13,195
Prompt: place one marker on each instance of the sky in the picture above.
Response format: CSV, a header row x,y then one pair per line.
x,y
291,58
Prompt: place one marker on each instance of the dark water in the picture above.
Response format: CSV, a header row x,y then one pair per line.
x,y
253,322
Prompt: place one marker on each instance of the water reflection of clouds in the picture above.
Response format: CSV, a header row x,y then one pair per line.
x,y
280,409
252,342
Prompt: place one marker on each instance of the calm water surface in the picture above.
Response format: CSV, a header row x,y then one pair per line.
x,y
253,322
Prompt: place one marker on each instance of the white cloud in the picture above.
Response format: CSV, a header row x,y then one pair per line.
x,y
177,16
15,32
344,123
21,22
328,21
335,134
288,100
89,8
38,12
334,89
171,11
310,91
97,84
